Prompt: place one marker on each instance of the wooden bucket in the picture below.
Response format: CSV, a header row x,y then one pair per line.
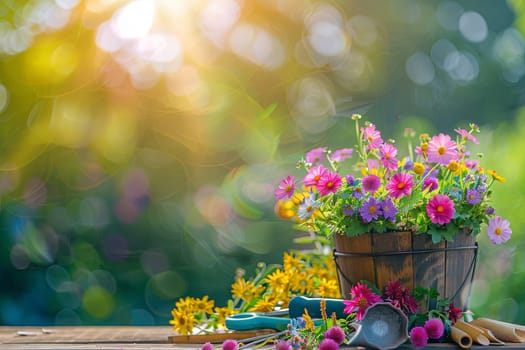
x,y
412,259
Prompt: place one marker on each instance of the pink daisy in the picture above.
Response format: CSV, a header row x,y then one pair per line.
x,y
388,156
362,298
286,188
466,135
371,183
314,175
315,156
329,182
400,185
441,149
440,209
341,155
372,137
499,230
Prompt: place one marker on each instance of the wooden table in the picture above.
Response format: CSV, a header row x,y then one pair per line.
x,y
128,337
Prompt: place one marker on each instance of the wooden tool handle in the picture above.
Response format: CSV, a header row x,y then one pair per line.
x,y
475,333
461,338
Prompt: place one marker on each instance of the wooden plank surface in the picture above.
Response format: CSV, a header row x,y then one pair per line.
x,y
136,338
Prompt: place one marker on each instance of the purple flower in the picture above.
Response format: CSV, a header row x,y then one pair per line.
x,y
341,154
357,193
473,197
419,337
489,210
408,165
499,230
434,328
315,156
371,183
328,344
430,184
336,334
350,180
230,344
388,209
370,210
348,210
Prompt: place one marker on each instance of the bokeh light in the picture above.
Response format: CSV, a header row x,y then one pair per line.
x,y
141,140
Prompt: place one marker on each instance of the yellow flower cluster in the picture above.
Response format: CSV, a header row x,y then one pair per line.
x,y
307,274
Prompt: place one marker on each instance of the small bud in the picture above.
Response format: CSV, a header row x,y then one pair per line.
x,y
356,116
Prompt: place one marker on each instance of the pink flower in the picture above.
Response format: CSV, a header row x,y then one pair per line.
x,y
335,333
400,297
207,346
441,149
499,230
341,155
371,183
286,188
434,328
388,156
328,344
330,182
419,337
372,136
362,298
466,135
314,175
400,185
440,209
229,344
283,345
315,156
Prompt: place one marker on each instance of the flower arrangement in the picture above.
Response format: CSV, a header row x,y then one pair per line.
x,y
438,188
316,275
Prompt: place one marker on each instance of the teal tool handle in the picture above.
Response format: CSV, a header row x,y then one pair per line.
x,y
313,305
251,320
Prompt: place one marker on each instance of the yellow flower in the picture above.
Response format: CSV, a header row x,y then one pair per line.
x,y
278,280
496,176
265,304
424,147
246,290
419,168
203,305
328,288
222,313
309,323
302,283
285,209
291,262
185,304
183,321
453,166
424,137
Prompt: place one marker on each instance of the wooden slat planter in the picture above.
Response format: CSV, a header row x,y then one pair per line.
x,y
412,259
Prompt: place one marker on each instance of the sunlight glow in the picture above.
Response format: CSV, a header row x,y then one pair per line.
x,y
134,20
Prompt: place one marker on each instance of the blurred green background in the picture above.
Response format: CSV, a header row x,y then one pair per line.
x,y
140,141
